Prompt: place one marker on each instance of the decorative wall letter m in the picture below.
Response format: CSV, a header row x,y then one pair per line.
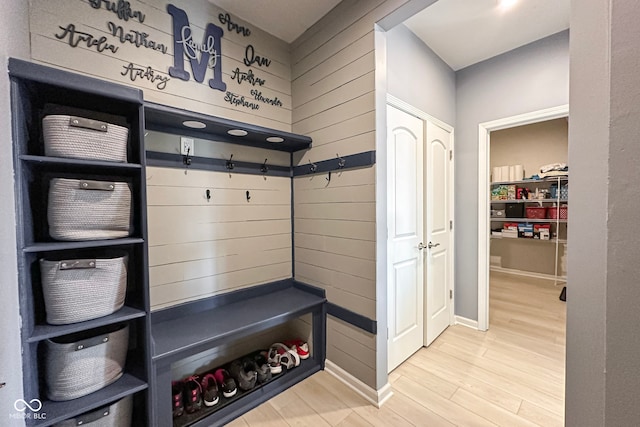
x,y
209,49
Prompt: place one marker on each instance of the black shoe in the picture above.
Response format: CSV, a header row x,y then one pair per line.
x,y
226,383
245,376
193,394
176,397
210,390
262,367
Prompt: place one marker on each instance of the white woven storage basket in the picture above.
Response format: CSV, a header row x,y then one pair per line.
x,y
88,210
76,367
117,414
82,289
81,138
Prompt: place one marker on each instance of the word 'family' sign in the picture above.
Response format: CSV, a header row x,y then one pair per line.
x,y
185,46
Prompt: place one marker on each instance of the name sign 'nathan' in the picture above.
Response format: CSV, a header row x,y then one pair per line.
x,y
184,45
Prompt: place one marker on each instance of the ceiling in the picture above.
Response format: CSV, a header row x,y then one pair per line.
x,y
461,32
464,32
285,19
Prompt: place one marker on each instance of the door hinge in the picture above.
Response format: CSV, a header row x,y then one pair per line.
x,y
450,154
451,225
450,293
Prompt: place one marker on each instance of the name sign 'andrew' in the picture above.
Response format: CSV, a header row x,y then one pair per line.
x,y
185,46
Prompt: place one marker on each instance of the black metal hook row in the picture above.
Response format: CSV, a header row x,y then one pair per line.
x,y
368,158
207,194
155,158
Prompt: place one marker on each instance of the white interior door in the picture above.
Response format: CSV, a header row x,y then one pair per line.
x,y
438,254
405,139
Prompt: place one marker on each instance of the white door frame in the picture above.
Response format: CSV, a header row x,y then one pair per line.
x,y
483,195
408,108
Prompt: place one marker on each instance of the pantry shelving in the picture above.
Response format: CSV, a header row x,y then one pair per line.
x,y
532,211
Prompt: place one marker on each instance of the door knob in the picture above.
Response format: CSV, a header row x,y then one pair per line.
x,y
431,245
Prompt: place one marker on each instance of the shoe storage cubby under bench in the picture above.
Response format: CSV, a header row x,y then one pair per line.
x,y
188,329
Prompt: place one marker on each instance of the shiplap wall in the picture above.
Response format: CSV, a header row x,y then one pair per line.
x,y
47,16
200,248
333,95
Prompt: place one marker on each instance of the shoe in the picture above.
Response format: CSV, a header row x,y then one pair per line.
x,y
244,375
226,383
210,390
176,398
273,358
193,393
300,346
288,358
262,367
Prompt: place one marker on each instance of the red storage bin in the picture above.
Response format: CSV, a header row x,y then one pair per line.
x,y
536,212
552,212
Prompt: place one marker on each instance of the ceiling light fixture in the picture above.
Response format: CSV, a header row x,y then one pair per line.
x,y
507,4
194,124
237,132
275,139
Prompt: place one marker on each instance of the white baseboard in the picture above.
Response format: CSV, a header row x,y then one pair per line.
x,y
473,324
527,273
375,397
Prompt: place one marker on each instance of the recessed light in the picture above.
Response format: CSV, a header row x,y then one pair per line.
x,y
507,4
275,139
237,132
194,124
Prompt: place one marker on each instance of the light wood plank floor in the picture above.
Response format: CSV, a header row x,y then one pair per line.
x,y
512,375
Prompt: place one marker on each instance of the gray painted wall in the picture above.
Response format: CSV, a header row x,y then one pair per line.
x,y
602,308
14,42
533,77
418,76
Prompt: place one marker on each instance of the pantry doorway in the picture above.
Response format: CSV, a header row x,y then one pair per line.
x,y
484,195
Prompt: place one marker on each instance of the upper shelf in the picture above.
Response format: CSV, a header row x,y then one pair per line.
x,y
550,179
167,119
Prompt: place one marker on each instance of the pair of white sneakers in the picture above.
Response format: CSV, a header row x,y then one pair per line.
x,y
287,355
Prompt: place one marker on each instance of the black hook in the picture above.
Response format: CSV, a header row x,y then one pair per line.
x,y
187,160
314,167
230,164
341,161
208,192
248,196
264,168
329,178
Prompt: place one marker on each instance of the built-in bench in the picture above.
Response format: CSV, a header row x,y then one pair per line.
x,y
191,328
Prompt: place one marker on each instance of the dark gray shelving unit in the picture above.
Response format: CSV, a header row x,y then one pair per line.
x,y
35,91
156,340
190,328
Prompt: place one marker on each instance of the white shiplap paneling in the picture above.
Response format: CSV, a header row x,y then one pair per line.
x,y
199,248
333,94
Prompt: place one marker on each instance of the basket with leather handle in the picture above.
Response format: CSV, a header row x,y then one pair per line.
x,y
88,210
81,138
79,364
76,290
117,414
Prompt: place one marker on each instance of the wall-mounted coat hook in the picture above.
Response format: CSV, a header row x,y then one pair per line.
x,y
248,196
208,194
313,166
187,160
264,168
230,164
341,161
328,178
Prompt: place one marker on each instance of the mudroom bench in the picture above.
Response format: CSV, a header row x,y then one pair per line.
x,y
191,328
